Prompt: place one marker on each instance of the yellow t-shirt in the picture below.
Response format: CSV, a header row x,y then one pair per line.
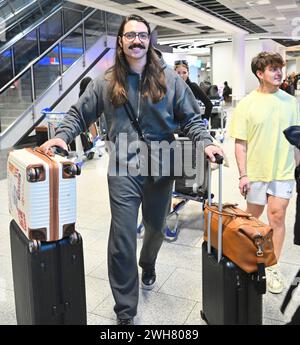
x,y
260,119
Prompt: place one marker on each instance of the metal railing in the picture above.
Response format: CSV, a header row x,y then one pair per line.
x,y
31,65
62,96
23,91
16,19
24,32
16,53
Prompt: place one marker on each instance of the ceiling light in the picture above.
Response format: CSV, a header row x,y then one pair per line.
x,y
263,2
280,18
258,2
286,7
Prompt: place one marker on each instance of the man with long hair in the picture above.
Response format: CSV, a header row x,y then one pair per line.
x,y
160,101
264,158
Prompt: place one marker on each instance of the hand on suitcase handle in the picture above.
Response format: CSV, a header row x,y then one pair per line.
x,y
214,153
54,142
60,151
219,159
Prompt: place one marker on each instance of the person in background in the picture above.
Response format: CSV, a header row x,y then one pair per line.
x,y
83,85
181,67
265,160
284,85
227,92
296,81
139,82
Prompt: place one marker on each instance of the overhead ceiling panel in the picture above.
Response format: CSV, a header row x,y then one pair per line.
x,y
219,10
177,19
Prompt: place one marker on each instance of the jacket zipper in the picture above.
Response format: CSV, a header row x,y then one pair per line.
x,y
139,97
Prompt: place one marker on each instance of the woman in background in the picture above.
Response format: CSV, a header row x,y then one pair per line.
x,y
182,69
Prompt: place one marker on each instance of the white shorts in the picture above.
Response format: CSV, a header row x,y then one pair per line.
x,y
259,191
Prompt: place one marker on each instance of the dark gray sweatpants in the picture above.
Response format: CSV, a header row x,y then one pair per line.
x,y
126,195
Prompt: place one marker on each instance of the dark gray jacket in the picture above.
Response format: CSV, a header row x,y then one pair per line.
x,y
157,121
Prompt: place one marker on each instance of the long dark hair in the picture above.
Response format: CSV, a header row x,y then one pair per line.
x,y
154,83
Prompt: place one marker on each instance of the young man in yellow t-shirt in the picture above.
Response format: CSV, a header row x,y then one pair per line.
x,y
265,159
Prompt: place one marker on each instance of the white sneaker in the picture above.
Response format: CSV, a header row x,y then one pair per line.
x,y
274,278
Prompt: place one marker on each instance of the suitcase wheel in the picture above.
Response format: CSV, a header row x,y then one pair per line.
x,y
90,155
34,246
74,238
72,169
33,174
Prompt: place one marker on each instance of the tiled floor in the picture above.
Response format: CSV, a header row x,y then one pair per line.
x,y
176,299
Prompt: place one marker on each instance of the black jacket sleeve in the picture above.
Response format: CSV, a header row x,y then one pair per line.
x,y
201,96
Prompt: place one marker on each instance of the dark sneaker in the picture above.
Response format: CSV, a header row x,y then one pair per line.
x,y
122,322
148,279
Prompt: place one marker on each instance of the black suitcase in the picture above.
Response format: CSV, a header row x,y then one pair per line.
x,y
230,296
48,280
216,121
193,181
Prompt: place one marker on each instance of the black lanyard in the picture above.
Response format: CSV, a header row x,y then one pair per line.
x,y
133,119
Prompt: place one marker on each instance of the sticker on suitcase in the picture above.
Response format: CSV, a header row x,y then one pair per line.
x,y
42,193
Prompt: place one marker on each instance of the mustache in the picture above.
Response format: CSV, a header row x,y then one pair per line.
x,y
136,45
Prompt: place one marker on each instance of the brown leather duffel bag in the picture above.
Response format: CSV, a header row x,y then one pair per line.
x,y
246,240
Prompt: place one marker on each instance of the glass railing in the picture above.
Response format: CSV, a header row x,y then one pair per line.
x,y
23,48
40,72
17,17
10,8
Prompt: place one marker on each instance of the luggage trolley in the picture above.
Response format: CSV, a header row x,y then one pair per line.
x,y
192,185
217,120
85,145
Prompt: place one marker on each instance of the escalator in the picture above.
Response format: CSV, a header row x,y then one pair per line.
x,y
34,32
66,49
85,46
18,16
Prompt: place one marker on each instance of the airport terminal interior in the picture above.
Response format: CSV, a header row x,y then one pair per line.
x,y
48,47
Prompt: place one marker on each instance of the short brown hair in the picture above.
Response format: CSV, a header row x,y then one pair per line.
x,y
264,59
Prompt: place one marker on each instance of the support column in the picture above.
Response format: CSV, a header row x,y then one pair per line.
x,y
282,52
297,65
238,67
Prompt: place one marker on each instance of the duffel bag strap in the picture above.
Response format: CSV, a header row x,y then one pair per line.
x,y
227,213
261,267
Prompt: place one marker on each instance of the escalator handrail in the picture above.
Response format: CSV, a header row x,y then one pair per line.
x,y
33,62
13,41
63,95
33,27
14,13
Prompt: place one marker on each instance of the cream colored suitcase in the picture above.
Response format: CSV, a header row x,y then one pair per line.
x,y
42,193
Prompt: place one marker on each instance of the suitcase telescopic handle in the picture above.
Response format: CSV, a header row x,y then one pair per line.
x,y
219,160
60,151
